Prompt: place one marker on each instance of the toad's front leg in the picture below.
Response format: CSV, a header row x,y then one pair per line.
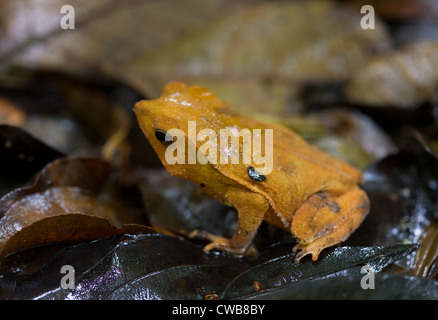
x,y
251,208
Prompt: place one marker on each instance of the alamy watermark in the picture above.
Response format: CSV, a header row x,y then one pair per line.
x,y
68,281
68,20
368,21
221,147
367,281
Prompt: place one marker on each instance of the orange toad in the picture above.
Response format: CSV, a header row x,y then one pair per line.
x,y
309,193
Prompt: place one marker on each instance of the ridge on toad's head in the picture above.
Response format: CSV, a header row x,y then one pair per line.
x,y
177,108
179,104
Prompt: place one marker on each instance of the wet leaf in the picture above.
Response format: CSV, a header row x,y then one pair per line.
x,y
387,287
282,271
35,271
178,206
62,172
139,267
60,206
162,284
402,191
428,254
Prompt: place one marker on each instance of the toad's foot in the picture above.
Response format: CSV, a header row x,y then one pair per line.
x,y
302,251
325,220
222,244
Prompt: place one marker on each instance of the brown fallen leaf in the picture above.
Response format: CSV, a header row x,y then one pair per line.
x,y
67,227
117,30
63,204
427,255
255,55
404,79
85,173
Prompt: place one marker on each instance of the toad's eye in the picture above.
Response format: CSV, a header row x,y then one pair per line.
x,y
163,136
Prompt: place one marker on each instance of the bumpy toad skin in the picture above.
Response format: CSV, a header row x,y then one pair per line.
x,y
308,193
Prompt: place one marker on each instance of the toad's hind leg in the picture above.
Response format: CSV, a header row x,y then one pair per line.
x,y
326,219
